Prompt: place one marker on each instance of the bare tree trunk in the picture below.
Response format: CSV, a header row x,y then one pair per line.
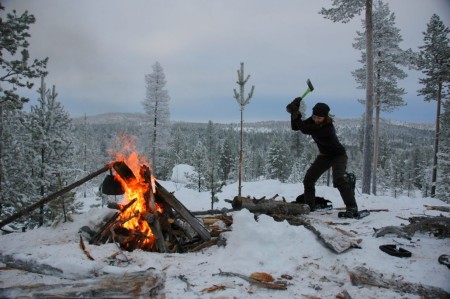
x,y
377,136
240,153
376,148
1,160
42,174
154,137
368,126
436,140
85,151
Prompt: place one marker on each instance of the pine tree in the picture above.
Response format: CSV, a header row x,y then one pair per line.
x,y
52,139
16,73
344,11
156,106
434,62
242,101
388,56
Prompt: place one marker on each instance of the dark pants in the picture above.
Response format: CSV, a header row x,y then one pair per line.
x,y
338,165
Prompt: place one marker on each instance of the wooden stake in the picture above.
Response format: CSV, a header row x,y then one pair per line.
x,y
152,220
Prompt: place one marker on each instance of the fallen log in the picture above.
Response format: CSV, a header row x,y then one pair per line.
x,y
142,284
29,266
269,206
363,276
334,238
53,196
437,208
438,226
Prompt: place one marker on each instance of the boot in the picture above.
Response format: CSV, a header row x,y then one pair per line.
x,y
348,197
349,213
310,200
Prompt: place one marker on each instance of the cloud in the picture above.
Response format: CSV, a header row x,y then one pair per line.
x,y
101,50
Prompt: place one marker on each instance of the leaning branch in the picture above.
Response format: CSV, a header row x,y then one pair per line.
x,y
52,196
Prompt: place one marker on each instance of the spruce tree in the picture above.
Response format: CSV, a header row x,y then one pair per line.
x,y
213,182
18,186
227,159
277,161
200,164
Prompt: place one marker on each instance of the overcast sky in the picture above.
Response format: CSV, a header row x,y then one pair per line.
x,y
100,50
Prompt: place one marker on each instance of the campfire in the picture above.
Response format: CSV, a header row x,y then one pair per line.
x,y
149,217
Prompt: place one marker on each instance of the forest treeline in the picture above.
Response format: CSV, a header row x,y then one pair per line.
x,y
271,150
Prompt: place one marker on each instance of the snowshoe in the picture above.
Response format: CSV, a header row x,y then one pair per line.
x,y
354,214
321,204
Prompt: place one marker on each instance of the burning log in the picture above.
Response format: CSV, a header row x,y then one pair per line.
x,y
118,206
152,215
152,220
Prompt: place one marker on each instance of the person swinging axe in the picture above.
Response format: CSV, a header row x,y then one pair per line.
x,y
332,155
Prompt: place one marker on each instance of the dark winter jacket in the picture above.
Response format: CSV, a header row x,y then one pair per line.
x,y
324,135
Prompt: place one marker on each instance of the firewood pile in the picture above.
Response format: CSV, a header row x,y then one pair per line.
x,y
152,219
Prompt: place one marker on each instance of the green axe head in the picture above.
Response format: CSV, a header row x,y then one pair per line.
x,y
310,88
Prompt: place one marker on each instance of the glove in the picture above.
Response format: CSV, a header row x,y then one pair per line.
x,y
297,101
294,106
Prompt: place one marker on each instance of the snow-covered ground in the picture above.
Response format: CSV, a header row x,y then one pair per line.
x,y
252,246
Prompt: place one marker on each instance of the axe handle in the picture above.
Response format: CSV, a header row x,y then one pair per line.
x,y
306,92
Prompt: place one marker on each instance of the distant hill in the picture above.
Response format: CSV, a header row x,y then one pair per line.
x,y
138,118
112,118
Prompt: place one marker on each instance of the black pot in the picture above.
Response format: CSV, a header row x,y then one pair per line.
x,y
112,186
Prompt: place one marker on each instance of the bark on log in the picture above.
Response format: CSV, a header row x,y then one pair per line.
x,y
142,284
364,276
53,196
269,207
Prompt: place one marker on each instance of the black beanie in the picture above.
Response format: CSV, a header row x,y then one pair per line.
x,y
321,109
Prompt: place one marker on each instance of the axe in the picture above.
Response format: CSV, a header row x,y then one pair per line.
x,y
295,104
309,89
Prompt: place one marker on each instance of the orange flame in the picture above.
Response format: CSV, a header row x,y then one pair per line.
x,y
139,189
